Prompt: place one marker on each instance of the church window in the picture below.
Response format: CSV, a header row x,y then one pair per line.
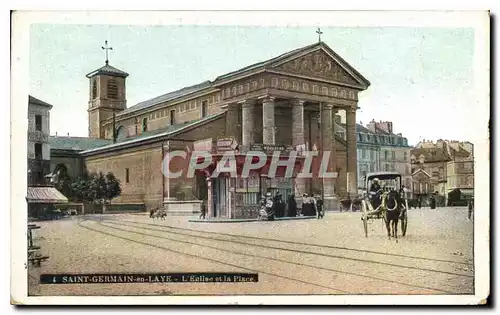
x,y
172,117
144,124
315,89
261,82
127,180
38,122
240,89
112,89
335,92
305,87
324,90
204,109
274,82
234,91
254,85
38,151
94,88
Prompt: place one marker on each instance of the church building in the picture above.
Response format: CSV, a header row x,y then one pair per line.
x,y
284,103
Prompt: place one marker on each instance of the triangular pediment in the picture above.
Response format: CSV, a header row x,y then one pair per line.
x,y
320,64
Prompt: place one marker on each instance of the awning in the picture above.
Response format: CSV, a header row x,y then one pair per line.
x,y
45,195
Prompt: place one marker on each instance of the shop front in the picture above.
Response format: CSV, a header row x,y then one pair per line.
x,y
235,195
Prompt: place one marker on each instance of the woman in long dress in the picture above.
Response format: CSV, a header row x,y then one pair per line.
x,y
292,206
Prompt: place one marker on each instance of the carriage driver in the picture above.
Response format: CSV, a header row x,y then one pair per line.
x,y
374,193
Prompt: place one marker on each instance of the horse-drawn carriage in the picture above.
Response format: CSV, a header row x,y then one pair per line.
x,y
388,202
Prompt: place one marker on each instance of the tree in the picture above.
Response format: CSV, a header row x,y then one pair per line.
x,y
113,188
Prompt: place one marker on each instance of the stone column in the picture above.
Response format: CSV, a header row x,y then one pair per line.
x,y
247,122
298,139
330,201
210,199
268,124
232,129
352,159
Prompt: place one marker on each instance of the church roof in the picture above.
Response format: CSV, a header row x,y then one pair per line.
x,y
260,65
108,70
153,135
292,53
36,101
167,97
76,143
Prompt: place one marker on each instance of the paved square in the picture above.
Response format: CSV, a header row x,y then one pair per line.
x,y
329,256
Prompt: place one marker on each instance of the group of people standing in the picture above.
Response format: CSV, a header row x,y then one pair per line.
x,y
276,207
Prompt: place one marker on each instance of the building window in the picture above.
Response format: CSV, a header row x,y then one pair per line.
x,y
38,122
144,124
204,109
126,175
172,117
406,156
38,151
393,155
112,89
94,89
386,155
363,153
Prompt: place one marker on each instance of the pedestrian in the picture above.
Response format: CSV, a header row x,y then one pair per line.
x,y
319,207
203,209
292,206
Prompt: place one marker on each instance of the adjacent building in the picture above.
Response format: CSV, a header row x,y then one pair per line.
x,y
40,194
38,141
442,166
380,149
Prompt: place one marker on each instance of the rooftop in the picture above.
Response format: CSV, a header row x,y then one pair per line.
x,y
76,143
168,131
108,70
36,101
207,84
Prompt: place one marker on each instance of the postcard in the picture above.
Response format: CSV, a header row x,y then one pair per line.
x,y
212,157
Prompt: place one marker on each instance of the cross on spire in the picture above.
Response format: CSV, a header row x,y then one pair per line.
x,y
319,32
106,48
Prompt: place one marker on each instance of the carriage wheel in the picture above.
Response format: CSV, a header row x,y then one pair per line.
x,y
364,217
404,223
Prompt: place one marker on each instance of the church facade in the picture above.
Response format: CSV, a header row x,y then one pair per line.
x,y
284,103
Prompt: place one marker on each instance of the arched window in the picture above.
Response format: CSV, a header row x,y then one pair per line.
x,y
120,132
144,124
94,88
112,89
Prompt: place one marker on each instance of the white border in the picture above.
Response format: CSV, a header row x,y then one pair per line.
x,y
19,90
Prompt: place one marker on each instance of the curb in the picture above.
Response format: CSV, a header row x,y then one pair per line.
x,y
248,220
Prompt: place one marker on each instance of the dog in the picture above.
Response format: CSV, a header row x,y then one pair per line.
x,y
160,214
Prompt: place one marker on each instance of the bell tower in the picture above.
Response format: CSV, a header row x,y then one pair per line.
x,y
106,95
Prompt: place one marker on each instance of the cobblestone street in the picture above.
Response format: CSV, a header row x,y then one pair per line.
x,y
328,256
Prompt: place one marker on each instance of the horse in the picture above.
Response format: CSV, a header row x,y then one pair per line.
x,y
161,214
392,203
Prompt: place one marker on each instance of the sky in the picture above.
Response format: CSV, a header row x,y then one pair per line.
x,y
422,79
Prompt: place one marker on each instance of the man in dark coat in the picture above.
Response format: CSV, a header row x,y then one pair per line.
x,y
375,190
292,206
319,206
